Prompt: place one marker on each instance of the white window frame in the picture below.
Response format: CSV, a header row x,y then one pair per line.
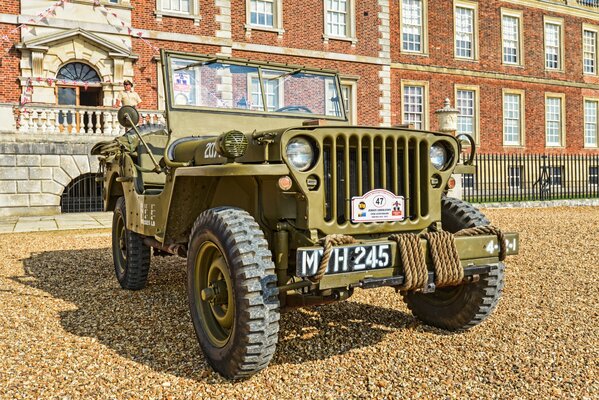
x,y
277,18
265,76
474,7
595,30
595,103
561,122
559,22
194,12
520,37
476,117
522,120
423,29
352,86
350,23
425,102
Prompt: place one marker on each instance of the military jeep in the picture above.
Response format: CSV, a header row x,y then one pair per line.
x,y
278,202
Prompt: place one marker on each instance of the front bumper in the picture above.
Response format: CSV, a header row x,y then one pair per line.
x,y
476,254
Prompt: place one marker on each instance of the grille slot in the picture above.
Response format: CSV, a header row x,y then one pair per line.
x,y
355,165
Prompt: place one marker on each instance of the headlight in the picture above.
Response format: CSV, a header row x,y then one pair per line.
x,y
300,153
439,156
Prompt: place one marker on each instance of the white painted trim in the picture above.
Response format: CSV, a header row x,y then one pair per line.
x,y
260,48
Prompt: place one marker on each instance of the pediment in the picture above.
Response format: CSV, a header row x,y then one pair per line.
x,y
46,42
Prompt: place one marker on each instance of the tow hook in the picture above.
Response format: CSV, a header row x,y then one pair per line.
x,y
429,288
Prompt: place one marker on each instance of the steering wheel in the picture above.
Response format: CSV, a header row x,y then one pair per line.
x,y
301,109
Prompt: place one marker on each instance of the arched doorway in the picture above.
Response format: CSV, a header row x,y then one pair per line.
x,y
83,194
78,85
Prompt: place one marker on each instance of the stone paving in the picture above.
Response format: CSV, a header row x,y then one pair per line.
x,y
56,222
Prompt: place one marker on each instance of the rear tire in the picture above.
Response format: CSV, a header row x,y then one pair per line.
x,y
130,255
230,282
464,306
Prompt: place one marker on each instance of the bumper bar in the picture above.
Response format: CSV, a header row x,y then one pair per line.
x,y
474,252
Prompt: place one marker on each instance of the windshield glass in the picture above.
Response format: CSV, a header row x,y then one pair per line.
x,y
239,87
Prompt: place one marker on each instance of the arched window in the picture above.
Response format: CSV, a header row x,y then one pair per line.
x,y
79,72
83,194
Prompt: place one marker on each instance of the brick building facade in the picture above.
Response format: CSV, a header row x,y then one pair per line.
x,y
524,73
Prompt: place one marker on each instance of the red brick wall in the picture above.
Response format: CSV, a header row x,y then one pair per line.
x,y
441,53
9,64
303,22
143,17
368,84
491,110
9,56
146,82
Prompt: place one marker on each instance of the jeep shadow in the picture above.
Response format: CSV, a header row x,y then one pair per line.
x,y
151,326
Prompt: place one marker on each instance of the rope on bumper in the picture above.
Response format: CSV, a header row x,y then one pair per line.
x,y
487,230
412,259
445,258
329,242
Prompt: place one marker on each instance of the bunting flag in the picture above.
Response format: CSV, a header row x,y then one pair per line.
x,y
118,24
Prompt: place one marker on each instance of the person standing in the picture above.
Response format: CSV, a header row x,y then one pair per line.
x,y
128,97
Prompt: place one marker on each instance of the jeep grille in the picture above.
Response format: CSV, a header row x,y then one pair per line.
x,y
356,164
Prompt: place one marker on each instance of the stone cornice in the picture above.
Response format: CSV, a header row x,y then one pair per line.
x,y
493,75
566,9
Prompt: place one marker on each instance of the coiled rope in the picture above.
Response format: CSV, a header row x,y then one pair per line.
x,y
329,242
444,255
412,259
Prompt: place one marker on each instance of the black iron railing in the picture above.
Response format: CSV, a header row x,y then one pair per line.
x,y
83,194
525,177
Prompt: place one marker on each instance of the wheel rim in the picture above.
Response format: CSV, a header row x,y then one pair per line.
x,y
213,293
121,231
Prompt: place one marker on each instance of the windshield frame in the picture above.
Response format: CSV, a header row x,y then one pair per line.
x,y
285,70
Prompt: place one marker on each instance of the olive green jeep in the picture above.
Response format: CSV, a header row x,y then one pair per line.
x,y
278,202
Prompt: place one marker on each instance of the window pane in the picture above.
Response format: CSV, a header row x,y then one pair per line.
x,y
337,15
176,6
553,120
590,51
590,123
514,176
464,34
552,46
262,13
414,106
511,39
511,119
411,18
466,105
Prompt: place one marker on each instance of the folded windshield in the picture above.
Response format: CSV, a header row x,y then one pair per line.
x,y
215,84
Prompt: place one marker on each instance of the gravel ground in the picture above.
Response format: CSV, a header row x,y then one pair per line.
x,y
68,331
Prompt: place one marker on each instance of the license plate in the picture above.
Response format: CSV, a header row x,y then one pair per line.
x,y
344,259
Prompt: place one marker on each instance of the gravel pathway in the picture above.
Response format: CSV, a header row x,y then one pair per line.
x,y
68,331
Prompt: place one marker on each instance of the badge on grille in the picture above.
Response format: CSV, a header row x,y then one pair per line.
x,y
378,205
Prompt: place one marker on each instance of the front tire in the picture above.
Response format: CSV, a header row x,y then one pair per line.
x,y
464,306
230,281
130,255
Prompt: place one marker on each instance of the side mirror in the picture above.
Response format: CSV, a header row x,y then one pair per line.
x,y
128,116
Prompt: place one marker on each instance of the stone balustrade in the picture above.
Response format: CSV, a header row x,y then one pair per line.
x,y
591,4
76,120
